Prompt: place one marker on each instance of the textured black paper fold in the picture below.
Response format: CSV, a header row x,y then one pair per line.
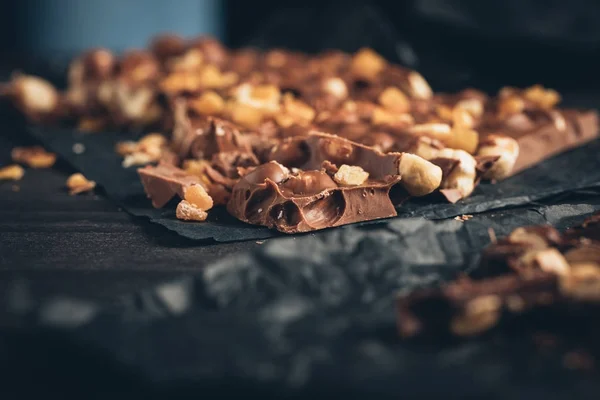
x,y
576,169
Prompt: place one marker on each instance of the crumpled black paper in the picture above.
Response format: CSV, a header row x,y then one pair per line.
x,y
313,315
576,169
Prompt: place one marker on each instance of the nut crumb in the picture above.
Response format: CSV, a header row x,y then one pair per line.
x,y
78,148
260,241
349,175
188,212
34,157
197,196
492,235
11,173
77,183
464,217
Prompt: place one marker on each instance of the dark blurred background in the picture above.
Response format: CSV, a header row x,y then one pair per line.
x,y
454,43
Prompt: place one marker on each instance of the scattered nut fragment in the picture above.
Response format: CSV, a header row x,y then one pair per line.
x,y
34,157
582,282
367,64
479,315
418,86
245,115
506,148
188,212
393,99
190,61
33,96
542,97
262,97
137,158
92,124
126,147
463,218
148,149
209,103
11,173
349,175
419,176
77,183
462,178
472,106
528,238
197,196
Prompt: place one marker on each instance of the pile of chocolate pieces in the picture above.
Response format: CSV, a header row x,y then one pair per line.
x,y
298,142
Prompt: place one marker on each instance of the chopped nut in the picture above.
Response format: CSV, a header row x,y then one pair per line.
x,y
582,282
437,131
543,98
418,86
367,64
427,147
444,112
297,109
34,157
77,183
188,212
262,97
211,77
350,175
33,96
479,315
394,100
559,120
335,87
506,148
462,177
197,196
137,158
510,105
548,260
11,173
244,115
381,116
419,176
472,106
126,147
464,217
528,238
463,139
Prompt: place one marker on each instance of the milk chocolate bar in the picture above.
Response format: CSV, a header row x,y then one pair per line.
x,y
330,182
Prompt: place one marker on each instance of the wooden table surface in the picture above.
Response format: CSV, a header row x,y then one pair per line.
x,y
84,245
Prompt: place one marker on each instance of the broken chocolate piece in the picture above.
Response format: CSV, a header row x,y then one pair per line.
x,y
163,181
309,200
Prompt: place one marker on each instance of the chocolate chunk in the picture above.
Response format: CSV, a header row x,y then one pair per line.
x,y
163,181
272,196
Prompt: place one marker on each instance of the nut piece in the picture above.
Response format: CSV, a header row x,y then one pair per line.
x,y
247,116
530,239
148,149
541,97
367,64
582,283
548,260
439,131
33,96
197,196
382,116
262,97
77,183
419,176
462,177
506,148
188,212
479,315
472,106
418,86
11,173
350,175
393,99
335,87
209,103
34,157
427,148
510,105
